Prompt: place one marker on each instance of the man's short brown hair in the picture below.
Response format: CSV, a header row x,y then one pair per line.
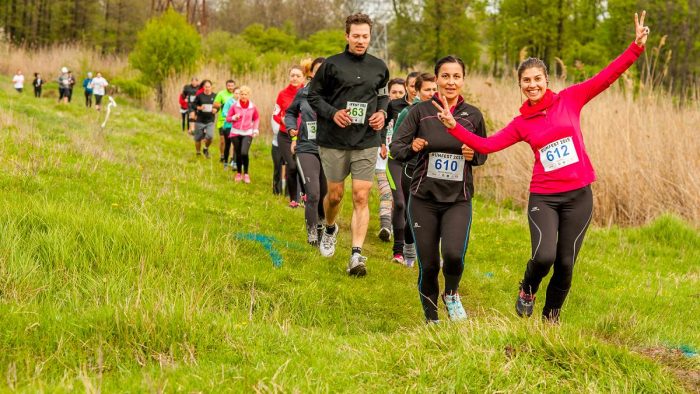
x,y
357,19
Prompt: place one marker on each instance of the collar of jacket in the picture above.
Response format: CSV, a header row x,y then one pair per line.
x,y
460,100
354,56
529,111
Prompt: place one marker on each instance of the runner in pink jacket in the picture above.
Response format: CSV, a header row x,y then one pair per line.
x,y
245,122
561,202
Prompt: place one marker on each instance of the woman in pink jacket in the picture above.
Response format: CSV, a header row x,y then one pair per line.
x,y
561,202
245,120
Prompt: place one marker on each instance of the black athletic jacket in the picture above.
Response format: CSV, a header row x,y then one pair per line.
x,y
422,122
300,105
345,78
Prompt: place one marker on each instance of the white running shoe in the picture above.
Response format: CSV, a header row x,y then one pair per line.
x,y
357,265
455,310
327,245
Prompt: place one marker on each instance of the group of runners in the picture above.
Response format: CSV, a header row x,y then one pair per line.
x,y
92,86
420,140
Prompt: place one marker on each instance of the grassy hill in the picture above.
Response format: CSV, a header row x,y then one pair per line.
x,y
125,266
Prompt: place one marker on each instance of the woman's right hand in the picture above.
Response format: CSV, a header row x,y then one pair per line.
x,y
641,31
419,144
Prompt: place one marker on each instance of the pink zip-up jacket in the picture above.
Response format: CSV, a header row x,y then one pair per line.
x,y
248,121
552,128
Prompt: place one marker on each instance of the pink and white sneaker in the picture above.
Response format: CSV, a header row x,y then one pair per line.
x,y
246,178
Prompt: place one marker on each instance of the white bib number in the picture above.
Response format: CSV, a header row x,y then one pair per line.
x,y
192,98
357,112
447,166
207,107
311,130
558,154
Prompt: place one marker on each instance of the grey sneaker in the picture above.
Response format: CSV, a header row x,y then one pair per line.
x,y
409,254
312,235
327,245
356,265
455,310
525,303
385,234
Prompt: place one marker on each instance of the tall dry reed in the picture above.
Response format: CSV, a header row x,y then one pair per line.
x,y
646,156
644,150
49,61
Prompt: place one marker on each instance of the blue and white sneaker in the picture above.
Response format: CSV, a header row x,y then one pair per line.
x,y
455,310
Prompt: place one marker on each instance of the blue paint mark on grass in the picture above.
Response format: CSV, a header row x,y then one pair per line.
x,y
688,351
269,243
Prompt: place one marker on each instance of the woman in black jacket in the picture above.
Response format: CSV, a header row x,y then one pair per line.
x,y
439,207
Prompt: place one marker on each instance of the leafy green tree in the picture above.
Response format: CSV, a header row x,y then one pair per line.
x,y
168,45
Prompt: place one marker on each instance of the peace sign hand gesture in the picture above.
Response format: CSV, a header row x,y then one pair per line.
x,y
444,113
641,31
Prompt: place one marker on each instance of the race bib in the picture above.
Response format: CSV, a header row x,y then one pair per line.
x,y
311,130
207,107
558,154
357,112
192,98
389,132
447,166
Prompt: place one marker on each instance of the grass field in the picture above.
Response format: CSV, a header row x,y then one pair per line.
x,y
122,269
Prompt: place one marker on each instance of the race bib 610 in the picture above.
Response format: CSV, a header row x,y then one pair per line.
x,y
446,166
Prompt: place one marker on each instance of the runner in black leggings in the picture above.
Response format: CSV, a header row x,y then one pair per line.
x,y
561,202
440,209
303,129
394,168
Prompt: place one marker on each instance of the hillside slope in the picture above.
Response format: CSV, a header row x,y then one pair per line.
x,y
127,264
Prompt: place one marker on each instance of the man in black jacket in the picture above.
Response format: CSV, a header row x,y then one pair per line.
x,y
349,96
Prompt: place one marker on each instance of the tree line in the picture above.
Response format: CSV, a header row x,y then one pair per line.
x,y
574,37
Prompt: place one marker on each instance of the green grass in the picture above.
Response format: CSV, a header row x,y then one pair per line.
x,y
120,271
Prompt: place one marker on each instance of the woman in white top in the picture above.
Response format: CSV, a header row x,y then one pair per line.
x,y
98,85
18,81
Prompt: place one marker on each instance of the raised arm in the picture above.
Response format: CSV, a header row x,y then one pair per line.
x,y
504,138
585,91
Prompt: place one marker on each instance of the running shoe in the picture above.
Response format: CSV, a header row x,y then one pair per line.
x,y
239,177
312,235
225,166
398,259
206,152
409,254
319,229
455,310
246,178
293,204
357,265
222,160
233,165
524,304
385,234
327,246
